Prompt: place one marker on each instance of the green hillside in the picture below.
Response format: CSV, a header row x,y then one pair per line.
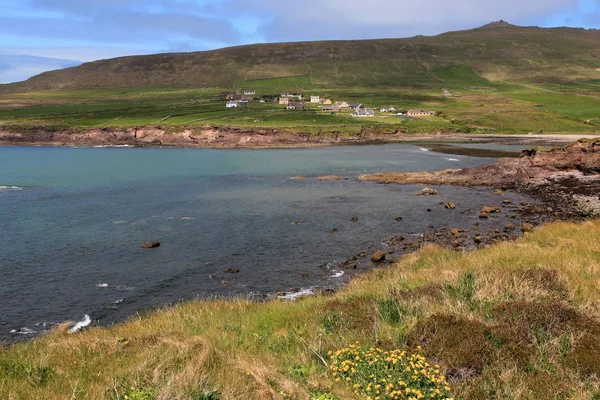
x,y
497,53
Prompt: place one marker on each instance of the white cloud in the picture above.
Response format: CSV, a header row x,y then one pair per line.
x,y
15,68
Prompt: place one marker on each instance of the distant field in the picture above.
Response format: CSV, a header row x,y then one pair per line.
x,y
475,105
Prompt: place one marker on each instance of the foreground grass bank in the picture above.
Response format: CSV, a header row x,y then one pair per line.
x,y
519,320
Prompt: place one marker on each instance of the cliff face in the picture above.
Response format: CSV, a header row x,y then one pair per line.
x,y
206,136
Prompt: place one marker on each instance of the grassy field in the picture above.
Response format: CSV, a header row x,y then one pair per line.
x,y
499,108
519,320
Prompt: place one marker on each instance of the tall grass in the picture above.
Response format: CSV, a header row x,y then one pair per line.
x,y
519,320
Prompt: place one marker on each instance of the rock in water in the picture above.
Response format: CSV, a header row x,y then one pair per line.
x,y
378,256
490,209
450,205
150,245
429,191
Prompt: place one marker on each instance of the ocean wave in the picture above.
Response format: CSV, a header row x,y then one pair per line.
x,y
23,331
337,274
81,324
103,146
10,188
423,149
296,295
452,159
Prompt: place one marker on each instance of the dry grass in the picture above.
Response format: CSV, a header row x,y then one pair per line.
x,y
518,320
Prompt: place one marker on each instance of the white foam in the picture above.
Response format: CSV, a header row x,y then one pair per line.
x,y
10,188
452,159
423,149
102,285
109,146
119,222
337,274
81,324
301,293
23,331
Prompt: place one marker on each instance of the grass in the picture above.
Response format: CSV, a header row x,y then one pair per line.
x,y
491,108
519,320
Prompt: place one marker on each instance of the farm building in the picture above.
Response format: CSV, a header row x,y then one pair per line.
x,y
296,106
363,112
419,113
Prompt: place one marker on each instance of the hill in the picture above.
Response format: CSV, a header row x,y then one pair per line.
x,y
495,52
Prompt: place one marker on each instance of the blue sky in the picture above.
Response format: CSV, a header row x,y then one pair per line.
x,y
41,35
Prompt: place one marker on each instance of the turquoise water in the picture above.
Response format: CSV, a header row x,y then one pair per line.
x,y
70,238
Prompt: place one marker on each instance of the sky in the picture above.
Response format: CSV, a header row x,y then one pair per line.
x,y
42,35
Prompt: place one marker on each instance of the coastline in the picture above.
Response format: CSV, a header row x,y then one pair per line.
x,y
211,137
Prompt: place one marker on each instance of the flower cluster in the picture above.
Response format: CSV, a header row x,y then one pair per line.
x,y
395,374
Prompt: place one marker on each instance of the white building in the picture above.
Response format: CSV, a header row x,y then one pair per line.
x,y
363,112
315,99
231,104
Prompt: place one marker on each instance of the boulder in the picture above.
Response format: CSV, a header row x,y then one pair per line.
x,y
526,227
150,245
363,253
498,192
354,219
398,218
450,205
378,256
490,209
484,215
428,191
232,271
457,231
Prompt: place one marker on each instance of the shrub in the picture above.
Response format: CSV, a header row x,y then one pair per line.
x,y
395,374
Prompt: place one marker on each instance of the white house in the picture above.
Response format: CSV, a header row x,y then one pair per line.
x,y
291,96
387,109
363,112
231,104
341,104
249,92
314,99
419,113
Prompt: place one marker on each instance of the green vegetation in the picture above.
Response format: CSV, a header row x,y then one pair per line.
x,y
470,108
518,320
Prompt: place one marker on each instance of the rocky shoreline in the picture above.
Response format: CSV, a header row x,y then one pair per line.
x,y
564,183
209,136
566,176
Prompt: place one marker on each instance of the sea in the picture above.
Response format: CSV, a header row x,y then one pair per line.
x,y
229,223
